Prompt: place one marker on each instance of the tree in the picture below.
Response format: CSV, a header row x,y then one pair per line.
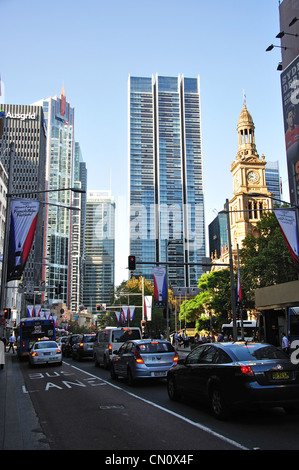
x,y
134,286
213,300
265,259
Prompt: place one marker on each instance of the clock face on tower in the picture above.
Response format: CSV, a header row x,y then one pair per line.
x,y
252,177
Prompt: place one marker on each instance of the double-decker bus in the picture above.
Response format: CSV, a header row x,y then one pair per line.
x,y
32,330
249,330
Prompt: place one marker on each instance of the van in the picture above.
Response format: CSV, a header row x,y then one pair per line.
x,y
109,340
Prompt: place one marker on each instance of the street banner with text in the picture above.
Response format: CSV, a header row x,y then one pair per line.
x,y
24,213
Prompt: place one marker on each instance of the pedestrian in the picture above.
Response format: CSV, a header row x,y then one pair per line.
x,y
11,343
285,343
220,338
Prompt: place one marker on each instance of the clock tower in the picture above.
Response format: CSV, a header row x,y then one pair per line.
x,y
248,172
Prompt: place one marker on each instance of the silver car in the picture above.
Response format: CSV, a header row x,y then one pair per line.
x,y
45,352
140,359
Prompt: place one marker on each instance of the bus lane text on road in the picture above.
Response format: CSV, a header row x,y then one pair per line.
x,y
43,381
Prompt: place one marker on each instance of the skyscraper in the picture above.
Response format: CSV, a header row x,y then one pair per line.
x,y
24,126
59,119
99,249
165,176
273,179
78,231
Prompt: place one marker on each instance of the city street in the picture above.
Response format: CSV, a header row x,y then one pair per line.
x,y
80,407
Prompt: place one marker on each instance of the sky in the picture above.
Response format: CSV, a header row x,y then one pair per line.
x,y
91,47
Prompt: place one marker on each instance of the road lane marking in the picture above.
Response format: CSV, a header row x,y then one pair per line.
x,y
187,420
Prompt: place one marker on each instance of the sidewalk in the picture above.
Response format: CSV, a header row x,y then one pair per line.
x,y
19,426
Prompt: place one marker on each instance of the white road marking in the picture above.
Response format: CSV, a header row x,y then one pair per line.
x,y
193,423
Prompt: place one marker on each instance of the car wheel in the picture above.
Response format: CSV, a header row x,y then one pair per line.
x,y
130,378
172,389
113,375
219,408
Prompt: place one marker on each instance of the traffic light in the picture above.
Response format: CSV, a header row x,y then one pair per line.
x,y
7,313
132,263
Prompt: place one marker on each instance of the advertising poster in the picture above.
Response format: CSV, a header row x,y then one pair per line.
x,y
160,293
23,220
290,103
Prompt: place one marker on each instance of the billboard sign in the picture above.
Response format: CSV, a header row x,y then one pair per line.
x,y
24,213
290,103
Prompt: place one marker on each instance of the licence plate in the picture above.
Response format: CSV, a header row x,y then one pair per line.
x,y
280,375
159,373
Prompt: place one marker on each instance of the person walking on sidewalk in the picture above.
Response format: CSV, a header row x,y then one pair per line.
x,y
11,343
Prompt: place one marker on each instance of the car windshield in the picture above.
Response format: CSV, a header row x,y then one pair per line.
x,y
45,345
155,347
125,334
89,339
253,351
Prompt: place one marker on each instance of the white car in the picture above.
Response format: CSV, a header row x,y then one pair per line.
x,y
45,352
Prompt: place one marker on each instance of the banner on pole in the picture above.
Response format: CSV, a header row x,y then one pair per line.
x,y
148,299
23,221
30,309
125,313
160,291
288,225
118,317
131,312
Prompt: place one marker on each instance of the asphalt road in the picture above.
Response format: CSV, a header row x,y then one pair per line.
x,y
80,407
78,410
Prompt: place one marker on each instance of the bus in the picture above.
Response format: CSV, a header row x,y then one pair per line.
x,y
249,328
31,330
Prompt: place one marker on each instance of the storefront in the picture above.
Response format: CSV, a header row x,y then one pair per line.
x,y
278,313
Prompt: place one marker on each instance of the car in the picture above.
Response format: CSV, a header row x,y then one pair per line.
x,y
143,359
45,352
83,347
236,375
60,341
67,346
110,339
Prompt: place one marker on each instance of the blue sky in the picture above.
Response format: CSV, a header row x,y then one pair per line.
x,y
91,47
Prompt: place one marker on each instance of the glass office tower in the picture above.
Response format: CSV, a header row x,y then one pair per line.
x,y
99,249
273,179
59,120
165,172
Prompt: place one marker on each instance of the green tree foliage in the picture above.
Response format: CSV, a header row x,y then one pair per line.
x,y
134,286
214,299
265,259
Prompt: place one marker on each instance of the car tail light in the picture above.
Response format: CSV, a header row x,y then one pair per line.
x,y
246,370
137,357
176,357
34,354
110,348
58,351
81,345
